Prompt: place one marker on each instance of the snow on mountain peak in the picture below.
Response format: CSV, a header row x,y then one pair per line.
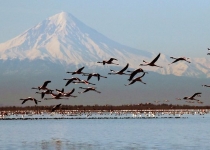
x,y
63,38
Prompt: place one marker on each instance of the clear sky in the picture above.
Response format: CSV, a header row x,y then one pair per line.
x,y
176,28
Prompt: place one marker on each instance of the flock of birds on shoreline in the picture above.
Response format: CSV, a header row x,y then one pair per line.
x,y
65,95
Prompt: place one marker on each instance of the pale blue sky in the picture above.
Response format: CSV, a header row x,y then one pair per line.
x,y
177,28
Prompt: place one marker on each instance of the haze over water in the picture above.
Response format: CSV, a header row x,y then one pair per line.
x,y
184,133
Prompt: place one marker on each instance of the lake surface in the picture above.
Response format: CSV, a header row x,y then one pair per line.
x,y
191,133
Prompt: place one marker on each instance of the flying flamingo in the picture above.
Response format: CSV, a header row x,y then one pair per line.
x,y
55,107
208,50
29,98
68,94
70,80
152,63
89,89
136,79
179,59
121,72
43,87
83,81
94,75
79,71
60,91
192,97
108,61
45,92
135,72
55,96
206,85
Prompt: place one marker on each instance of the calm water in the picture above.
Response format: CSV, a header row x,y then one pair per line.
x,y
123,134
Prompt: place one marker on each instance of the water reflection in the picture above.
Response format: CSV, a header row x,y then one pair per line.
x,y
59,144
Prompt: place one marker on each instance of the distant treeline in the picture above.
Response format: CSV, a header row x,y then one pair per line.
x,y
147,106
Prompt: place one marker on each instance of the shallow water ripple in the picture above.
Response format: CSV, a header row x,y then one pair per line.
x,y
101,134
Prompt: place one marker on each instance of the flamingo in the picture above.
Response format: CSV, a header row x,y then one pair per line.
x,y
136,79
43,87
45,92
208,50
206,85
89,89
152,63
179,59
108,61
68,94
60,91
121,72
79,71
135,72
56,96
94,75
55,107
192,97
83,81
200,102
70,80
29,98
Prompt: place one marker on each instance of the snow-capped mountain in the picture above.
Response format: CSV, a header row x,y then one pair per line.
x,y
65,40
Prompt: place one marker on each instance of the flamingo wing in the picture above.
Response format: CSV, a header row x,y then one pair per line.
x,y
124,68
79,70
156,58
45,83
196,94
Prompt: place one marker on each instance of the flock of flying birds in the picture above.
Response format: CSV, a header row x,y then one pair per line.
x,y
65,95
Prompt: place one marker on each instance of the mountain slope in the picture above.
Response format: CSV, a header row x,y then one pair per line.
x,y
63,39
